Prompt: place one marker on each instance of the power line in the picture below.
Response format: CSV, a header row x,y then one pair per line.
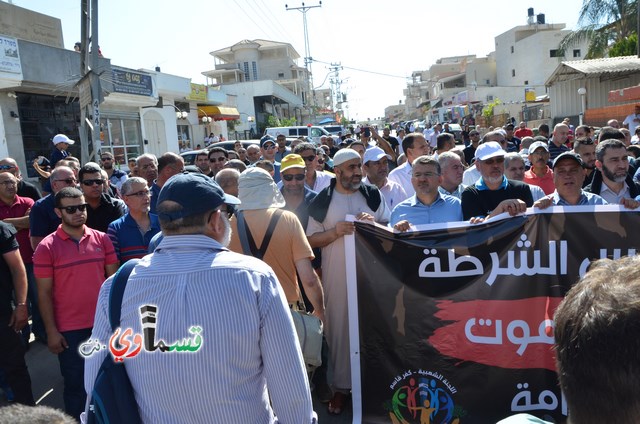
x,y
364,70
282,30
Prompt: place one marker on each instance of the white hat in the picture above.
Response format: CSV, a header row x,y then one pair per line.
x,y
374,154
344,155
538,144
488,150
61,138
257,190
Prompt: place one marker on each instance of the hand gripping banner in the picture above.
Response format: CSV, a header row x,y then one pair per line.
x,y
455,324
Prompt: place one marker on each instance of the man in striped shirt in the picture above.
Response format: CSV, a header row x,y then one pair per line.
x,y
132,233
248,367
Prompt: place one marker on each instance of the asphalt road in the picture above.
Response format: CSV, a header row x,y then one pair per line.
x,y
47,385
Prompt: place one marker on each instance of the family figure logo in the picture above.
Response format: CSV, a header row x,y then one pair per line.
x,y
125,344
423,397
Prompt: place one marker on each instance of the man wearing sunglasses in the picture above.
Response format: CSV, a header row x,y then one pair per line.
x,y
268,149
103,209
218,156
25,188
493,193
116,176
70,266
43,219
296,194
314,179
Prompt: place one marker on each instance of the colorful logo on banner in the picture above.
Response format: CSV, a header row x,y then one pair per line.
x,y
423,397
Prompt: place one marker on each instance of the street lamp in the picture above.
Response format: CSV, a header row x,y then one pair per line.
x,y
205,119
583,99
179,113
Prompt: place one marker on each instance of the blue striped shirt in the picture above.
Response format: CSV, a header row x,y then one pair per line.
x,y
249,354
127,238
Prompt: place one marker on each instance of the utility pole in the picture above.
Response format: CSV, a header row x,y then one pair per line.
x,y
307,54
89,84
336,82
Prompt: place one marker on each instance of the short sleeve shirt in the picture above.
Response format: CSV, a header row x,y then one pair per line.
x,y
78,270
8,243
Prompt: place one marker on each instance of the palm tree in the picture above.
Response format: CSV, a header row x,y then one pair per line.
x,y
603,23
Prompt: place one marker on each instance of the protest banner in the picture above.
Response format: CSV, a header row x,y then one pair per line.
x,y
455,324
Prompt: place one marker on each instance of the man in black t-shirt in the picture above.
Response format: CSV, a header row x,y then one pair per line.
x,y
386,134
13,277
493,193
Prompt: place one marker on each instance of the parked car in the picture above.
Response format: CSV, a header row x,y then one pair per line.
x,y
457,132
313,133
334,129
190,156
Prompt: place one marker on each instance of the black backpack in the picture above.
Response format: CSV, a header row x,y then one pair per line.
x,y
112,398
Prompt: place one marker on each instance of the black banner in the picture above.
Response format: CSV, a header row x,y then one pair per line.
x,y
455,325
131,82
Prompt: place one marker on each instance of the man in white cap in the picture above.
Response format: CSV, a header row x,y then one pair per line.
x,y
493,193
287,251
540,174
248,365
346,195
61,143
376,166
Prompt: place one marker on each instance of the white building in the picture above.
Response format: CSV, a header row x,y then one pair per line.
x,y
266,80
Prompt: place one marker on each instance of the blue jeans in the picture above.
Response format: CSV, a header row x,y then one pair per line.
x,y
72,369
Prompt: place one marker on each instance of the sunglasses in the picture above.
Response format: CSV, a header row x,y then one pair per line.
x,y
290,177
269,147
220,159
6,167
143,193
309,158
491,161
105,159
72,209
89,183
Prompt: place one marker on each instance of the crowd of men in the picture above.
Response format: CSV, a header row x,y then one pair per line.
x,y
292,198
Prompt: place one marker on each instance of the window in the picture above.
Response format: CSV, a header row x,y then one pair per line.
x,y
576,53
513,72
121,137
280,74
41,117
511,49
488,82
246,71
526,82
554,53
254,68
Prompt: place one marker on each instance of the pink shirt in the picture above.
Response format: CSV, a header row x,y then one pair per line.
x,y
78,271
17,210
545,182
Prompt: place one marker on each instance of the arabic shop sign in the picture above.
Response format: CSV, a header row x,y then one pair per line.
x,y
130,82
446,315
125,344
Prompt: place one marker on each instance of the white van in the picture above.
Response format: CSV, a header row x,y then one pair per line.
x,y
312,133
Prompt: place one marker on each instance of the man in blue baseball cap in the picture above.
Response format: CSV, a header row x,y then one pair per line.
x,y
246,340
268,148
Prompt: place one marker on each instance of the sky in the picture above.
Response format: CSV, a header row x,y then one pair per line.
x,y
377,43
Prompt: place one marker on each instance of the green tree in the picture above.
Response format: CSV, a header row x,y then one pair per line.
x,y
603,23
274,121
626,47
489,110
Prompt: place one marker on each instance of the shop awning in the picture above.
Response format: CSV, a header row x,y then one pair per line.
x,y
219,113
